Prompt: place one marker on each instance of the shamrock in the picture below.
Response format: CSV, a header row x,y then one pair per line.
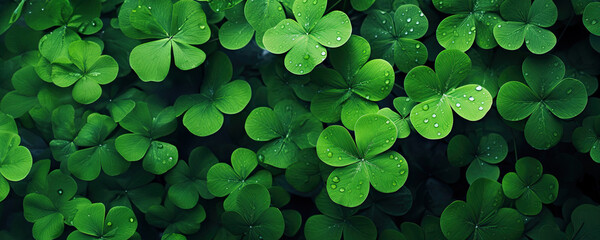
x,y
529,187
27,84
51,203
86,163
364,163
308,172
281,84
473,21
288,127
252,216
174,219
177,26
585,222
87,70
440,92
591,17
403,106
393,35
81,15
546,96
223,180
204,111
352,89
491,150
120,223
307,36
66,124
336,221
526,21
54,48
587,137
15,160
481,216
188,181
148,122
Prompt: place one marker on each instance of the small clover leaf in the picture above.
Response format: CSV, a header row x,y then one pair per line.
x,y
204,111
307,37
120,223
288,128
587,137
15,160
364,163
591,18
178,26
393,36
236,32
545,97
225,180
352,89
491,150
82,16
440,92
481,214
529,187
526,22
403,105
176,220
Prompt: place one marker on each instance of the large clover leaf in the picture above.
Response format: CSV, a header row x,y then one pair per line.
x,y
178,26
189,181
15,160
393,35
80,15
364,163
587,137
120,223
591,17
481,216
526,22
546,96
441,92
491,150
529,187
148,122
204,111
288,128
351,90
473,21
306,37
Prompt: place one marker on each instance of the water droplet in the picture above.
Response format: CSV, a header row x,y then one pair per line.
x,y
569,91
336,179
499,26
550,195
402,172
329,154
436,125
342,189
306,57
478,88
60,191
480,108
109,224
457,104
261,157
131,220
426,120
333,186
339,38
408,19
323,53
425,107
471,99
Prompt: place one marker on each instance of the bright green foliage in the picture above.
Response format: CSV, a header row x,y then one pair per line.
x,y
352,89
307,37
236,32
526,22
288,127
119,224
361,5
591,17
393,36
252,216
364,163
189,180
473,21
204,111
337,221
482,215
545,97
80,15
529,187
225,180
15,160
587,137
441,92
244,21
403,106
20,101
482,160
178,26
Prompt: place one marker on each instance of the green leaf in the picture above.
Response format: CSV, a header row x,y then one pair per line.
x,y
471,101
132,146
120,221
203,119
160,158
152,60
321,226
90,219
457,32
433,118
186,56
16,164
335,140
542,129
374,134
516,101
590,18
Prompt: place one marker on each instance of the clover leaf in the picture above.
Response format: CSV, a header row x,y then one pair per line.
x,y
308,172
526,22
529,187
364,163
482,215
545,97
352,89
148,122
381,208
587,137
591,18
281,84
252,216
307,37
403,106
27,84
473,21
440,92
585,221
236,32
174,219
225,180
393,36
288,128
120,223
66,124
100,153
204,111
178,26
491,150
10,13
337,221
188,181
86,72
52,204
80,15
15,160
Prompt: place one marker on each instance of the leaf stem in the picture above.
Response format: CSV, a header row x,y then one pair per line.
x,y
565,29
398,86
332,6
